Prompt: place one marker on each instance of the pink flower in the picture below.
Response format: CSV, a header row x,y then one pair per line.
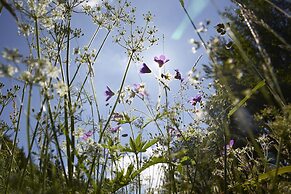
x,y
161,60
87,135
140,89
114,129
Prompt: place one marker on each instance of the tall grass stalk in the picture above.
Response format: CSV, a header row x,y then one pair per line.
x,y
15,136
96,155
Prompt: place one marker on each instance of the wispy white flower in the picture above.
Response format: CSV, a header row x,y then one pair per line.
x,y
7,70
61,88
26,76
11,55
53,71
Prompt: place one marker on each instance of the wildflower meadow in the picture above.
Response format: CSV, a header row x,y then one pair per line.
x,y
153,96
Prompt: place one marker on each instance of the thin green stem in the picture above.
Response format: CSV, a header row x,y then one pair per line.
x,y
89,45
95,99
70,113
138,177
88,73
279,9
274,183
56,140
45,157
30,143
15,137
225,161
109,119
118,96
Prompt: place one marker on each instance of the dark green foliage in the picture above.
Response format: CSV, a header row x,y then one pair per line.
x,y
260,51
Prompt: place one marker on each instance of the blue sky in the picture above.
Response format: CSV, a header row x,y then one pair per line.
x,y
171,23
170,20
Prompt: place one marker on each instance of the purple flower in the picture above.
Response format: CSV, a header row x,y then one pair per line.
x,y
114,129
196,99
145,69
231,142
228,147
161,60
108,93
178,75
87,135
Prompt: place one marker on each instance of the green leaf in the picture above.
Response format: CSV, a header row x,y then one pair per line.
x,y
258,86
132,145
110,142
119,174
126,149
147,122
151,162
129,171
125,119
121,180
272,173
180,168
185,159
148,144
138,141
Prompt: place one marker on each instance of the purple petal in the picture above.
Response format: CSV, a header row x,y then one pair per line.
x,y
114,129
163,57
231,142
145,69
108,93
198,98
178,75
193,102
228,146
161,60
87,135
140,89
136,87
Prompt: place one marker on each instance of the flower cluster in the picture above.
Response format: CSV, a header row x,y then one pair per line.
x,y
137,39
174,132
107,15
